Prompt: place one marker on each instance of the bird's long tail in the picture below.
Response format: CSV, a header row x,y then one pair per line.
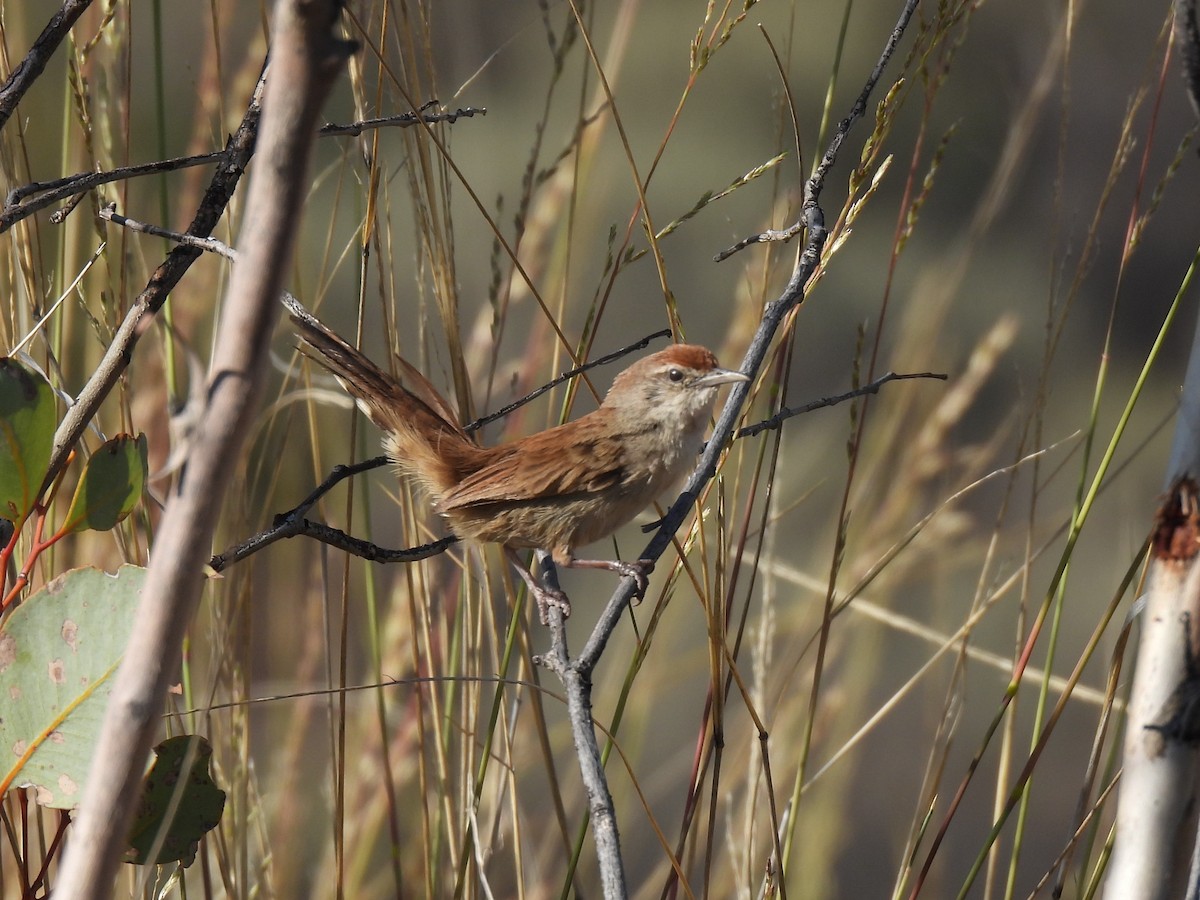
x,y
422,436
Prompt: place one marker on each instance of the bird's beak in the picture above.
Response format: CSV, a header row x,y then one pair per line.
x,y
719,376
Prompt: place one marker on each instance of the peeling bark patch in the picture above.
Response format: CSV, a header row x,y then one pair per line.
x,y
1181,713
1177,522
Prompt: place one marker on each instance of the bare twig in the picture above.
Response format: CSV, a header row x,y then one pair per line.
x,y
777,420
293,524
109,213
305,59
28,69
297,526
770,236
41,194
565,376
27,199
404,120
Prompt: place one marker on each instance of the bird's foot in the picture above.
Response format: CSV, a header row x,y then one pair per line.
x,y
639,571
548,599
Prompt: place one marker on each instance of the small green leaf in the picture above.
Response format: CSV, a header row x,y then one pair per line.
x,y
58,653
110,486
27,421
198,811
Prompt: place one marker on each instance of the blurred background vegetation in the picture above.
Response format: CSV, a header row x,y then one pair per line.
x,y
1032,221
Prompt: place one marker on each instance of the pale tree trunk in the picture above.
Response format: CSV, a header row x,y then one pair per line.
x,y
304,60
1155,853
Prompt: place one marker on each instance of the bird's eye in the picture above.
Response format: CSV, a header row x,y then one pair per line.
x,y
675,375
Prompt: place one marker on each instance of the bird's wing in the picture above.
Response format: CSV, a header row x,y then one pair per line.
x,y
563,461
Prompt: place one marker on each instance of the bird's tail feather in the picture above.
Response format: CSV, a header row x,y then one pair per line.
x,y
422,435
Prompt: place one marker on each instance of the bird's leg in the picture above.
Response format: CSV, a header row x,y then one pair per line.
x,y
546,597
639,571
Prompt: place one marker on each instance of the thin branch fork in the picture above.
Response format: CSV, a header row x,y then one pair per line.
x,y
41,194
294,524
576,677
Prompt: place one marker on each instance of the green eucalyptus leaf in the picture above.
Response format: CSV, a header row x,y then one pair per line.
x,y
110,486
58,657
198,808
27,422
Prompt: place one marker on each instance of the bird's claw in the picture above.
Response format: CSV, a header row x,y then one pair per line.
x,y
640,572
551,598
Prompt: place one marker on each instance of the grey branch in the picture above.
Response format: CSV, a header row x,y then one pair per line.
x,y
109,213
305,60
576,677
41,194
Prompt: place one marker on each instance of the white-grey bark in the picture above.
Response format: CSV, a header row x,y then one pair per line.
x,y
305,57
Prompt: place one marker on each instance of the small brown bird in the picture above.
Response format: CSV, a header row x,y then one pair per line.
x,y
555,490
